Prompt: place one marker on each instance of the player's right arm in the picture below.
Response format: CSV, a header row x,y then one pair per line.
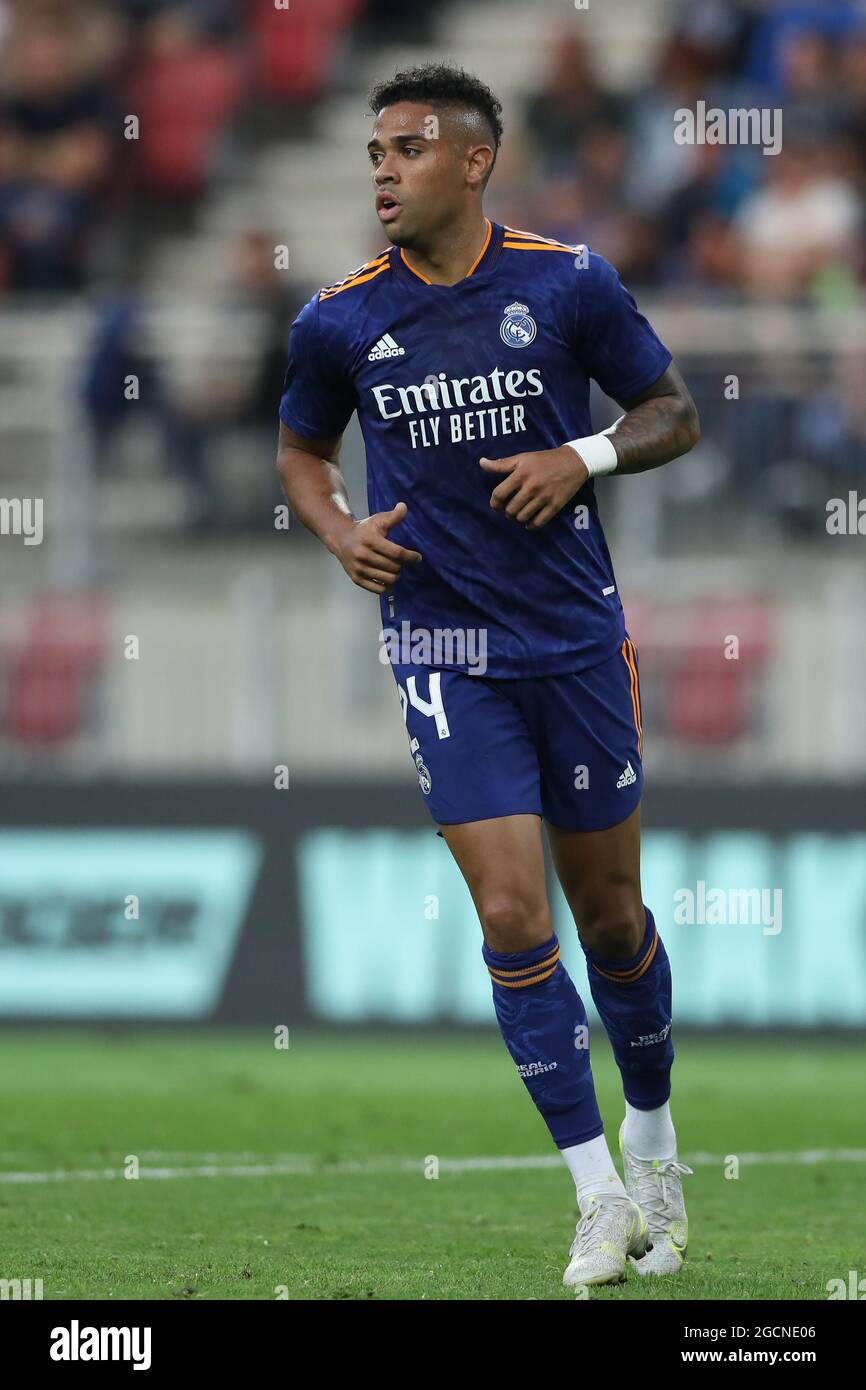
x,y
318,401
316,492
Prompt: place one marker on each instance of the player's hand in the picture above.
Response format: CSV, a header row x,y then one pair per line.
x,y
369,558
537,485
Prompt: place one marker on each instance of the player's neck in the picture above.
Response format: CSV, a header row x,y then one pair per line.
x,y
452,258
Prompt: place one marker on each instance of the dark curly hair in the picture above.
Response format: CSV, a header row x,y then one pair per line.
x,y
442,85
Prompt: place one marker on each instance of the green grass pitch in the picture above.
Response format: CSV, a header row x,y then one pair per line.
x,y
283,1172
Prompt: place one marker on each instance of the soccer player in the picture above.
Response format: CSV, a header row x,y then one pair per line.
x,y
467,349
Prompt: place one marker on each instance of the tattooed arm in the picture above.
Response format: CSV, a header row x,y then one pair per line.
x,y
659,424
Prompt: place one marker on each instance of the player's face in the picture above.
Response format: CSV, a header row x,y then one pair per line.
x,y
418,172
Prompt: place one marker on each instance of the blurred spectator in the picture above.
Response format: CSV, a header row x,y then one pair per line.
x,y
219,18
709,264
659,166
803,221
721,30
240,402
810,95
569,107
390,21
831,20
57,130
852,80
829,427
695,232
226,399
118,355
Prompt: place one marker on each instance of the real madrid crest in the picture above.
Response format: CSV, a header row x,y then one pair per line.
x,y
425,781
518,327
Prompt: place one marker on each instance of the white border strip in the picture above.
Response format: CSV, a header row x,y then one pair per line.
x,y
306,1165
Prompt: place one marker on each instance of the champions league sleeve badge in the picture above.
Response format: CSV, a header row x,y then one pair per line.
x,y
518,327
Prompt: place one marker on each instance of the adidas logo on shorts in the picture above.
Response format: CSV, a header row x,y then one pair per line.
x,y
627,778
386,347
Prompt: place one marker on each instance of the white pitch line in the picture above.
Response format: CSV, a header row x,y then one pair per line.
x,y
306,1165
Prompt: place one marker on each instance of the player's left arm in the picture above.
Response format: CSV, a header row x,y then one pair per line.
x,y
659,424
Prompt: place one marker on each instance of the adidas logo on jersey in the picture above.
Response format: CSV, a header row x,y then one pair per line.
x,y
386,347
627,778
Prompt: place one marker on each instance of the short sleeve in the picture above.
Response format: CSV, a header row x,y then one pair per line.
x,y
318,397
616,345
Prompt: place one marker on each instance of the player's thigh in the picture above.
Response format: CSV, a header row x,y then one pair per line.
x,y
599,871
472,749
502,861
478,773
587,728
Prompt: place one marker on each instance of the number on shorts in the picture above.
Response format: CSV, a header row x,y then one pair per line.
x,y
433,706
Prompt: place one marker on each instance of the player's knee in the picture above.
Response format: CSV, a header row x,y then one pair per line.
x,y
615,930
510,924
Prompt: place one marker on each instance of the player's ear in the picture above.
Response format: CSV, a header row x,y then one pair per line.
x,y
478,162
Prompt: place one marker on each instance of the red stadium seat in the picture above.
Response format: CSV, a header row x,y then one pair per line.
x,y
710,700
51,675
183,101
294,48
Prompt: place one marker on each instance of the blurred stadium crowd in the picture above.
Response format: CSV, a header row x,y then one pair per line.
x,y
117,121
208,78
714,219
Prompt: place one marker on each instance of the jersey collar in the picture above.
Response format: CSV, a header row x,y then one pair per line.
x,y
487,256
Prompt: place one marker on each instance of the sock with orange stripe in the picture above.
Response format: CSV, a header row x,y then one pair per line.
x,y
633,998
544,1026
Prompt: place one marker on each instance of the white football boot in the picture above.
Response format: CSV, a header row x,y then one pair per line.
x,y
656,1185
610,1229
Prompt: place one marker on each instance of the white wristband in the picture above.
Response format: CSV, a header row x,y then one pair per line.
x,y
597,452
